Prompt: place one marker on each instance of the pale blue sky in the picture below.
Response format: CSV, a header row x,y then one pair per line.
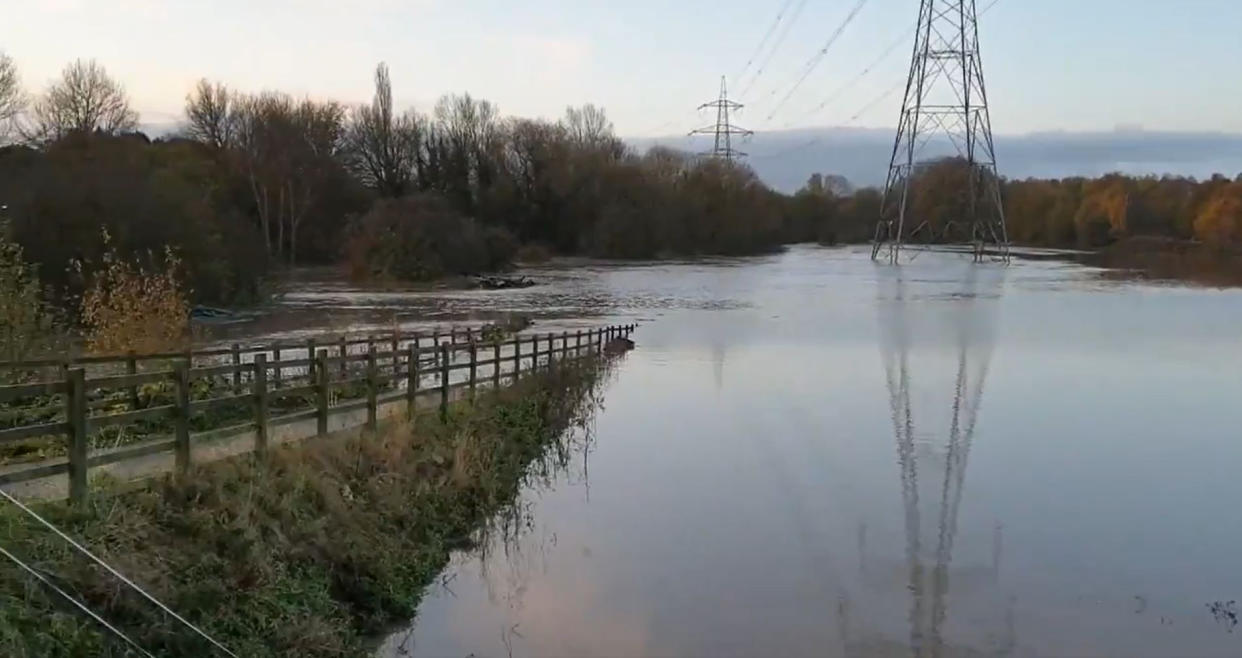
x,y
1050,64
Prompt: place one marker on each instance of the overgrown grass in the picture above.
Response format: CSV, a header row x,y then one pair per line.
x,y
312,551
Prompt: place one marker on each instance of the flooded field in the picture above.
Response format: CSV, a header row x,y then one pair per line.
x,y
812,455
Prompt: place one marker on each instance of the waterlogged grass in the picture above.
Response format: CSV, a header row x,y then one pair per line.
x,y
311,552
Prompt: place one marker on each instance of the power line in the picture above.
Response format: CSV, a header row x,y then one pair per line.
x,y
836,93
818,57
887,52
775,47
870,104
763,42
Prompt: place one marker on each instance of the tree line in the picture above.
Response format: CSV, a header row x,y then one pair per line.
x,y
253,181
1092,212
256,180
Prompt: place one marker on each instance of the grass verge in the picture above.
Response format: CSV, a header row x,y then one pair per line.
x,y
310,552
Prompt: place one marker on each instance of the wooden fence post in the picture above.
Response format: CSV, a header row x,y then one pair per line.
x,y
75,413
131,367
312,378
236,369
551,348
411,381
517,358
321,391
372,386
578,343
182,442
276,374
474,366
260,403
344,351
444,382
396,351
496,364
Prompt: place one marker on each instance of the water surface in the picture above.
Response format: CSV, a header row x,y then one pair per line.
x,y
811,455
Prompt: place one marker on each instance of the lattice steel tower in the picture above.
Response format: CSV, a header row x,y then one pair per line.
x,y
723,130
945,97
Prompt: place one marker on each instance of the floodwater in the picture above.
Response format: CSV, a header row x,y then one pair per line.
x,y
810,454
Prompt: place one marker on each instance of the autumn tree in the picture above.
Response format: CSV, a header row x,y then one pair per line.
x,y
84,100
1219,222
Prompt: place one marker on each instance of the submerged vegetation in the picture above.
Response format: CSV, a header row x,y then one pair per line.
x,y
312,551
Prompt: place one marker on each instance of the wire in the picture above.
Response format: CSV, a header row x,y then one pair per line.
x,y
763,42
836,93
775,47
870,104
818,57
892,47
76,603
81,549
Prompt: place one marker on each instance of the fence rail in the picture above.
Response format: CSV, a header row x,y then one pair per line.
x,y
256,391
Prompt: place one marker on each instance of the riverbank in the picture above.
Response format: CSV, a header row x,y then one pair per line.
x,y
311,552
1168,259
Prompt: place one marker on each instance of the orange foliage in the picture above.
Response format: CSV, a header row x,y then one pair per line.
x,y
1219,221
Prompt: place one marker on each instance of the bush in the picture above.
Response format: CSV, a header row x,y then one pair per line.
x,y
26,321
421,237
126,307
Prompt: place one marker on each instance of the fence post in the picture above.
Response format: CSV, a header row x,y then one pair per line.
x,y
411,381
517,358
444,382
578,344
312,377
551,348
496,364
75,412
131,367
344,350
236,369
182,443
396,349
372,386
321,391
276,374
474,366
260,403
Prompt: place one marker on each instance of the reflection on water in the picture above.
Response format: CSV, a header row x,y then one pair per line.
x,y
809,455
962,329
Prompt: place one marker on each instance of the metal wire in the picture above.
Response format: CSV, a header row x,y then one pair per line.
x,y
114,572
76,603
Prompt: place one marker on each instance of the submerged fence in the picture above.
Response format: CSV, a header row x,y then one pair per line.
x,y
257,391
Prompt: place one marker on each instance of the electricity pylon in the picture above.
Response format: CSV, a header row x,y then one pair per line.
x,y
723,129
945,96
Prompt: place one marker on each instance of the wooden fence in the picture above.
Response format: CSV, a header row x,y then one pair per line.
x,y
254,390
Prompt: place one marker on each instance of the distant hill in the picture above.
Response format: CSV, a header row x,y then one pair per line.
x,y
784,159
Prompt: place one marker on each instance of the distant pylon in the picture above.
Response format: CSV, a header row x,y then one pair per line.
x,y
945,95
723,129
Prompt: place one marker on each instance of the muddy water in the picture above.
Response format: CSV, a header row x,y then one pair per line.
x,y
810,455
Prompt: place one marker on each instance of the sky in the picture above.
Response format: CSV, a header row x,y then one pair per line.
x,y
1051,65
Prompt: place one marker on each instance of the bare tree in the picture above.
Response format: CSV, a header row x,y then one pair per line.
x,y
12,100
85,100
588,127
286,149
382,147
211,112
